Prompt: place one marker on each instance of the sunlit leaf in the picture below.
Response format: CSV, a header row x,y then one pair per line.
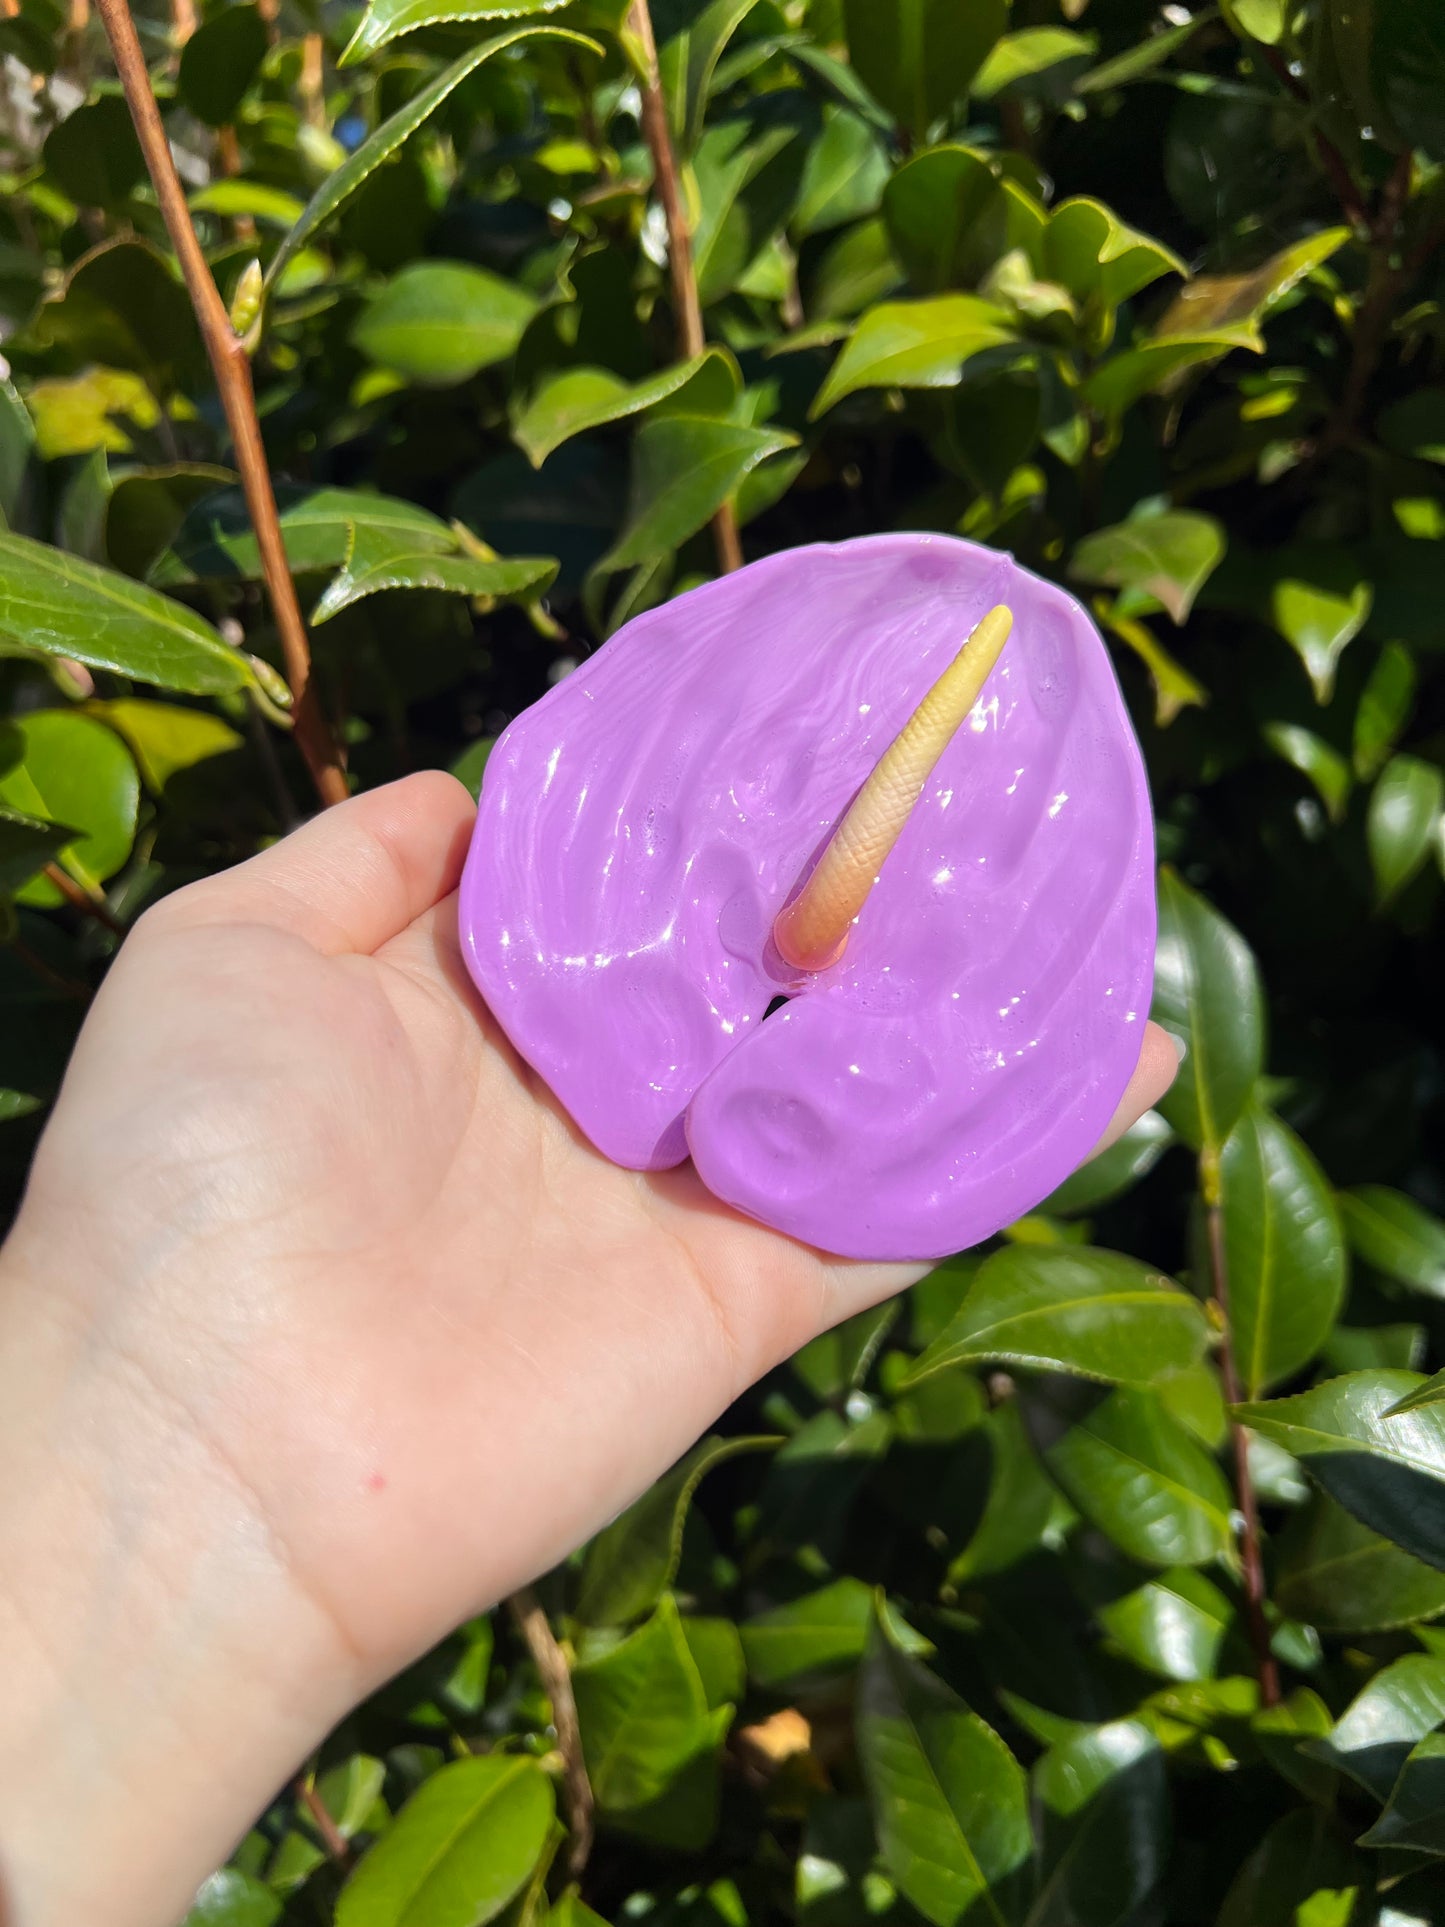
x,y
1023,56
1207,991
1313,757
375,560
386,20
1373,1736
918,56
684,468
1404,813
1168,557
458,1850
643,1711
1104,1826
61,767
577,399
914,344
1210,302
1397,1236
1415,1815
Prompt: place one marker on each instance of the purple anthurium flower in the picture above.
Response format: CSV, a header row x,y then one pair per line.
x,y
642,827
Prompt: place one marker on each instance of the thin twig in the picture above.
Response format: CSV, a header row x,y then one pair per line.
x,y
551,1664
232,369
686,304
1251,1559
1331,159
332,1838
90,902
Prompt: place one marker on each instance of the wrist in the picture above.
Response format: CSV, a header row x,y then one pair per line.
x,y
161,1671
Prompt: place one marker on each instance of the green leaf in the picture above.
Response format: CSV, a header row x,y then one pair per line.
x,y
914,344
439,322
1152,365
1432,1392
843,176
690,57
242,198
219,62
1385,704
1210,302
950,1803
1262,20
576,399
231,1898
1389,1472
1314,758
717,1652
1103,1812
1396,1236
459,1849
1340,1577
1021,57
1096,256
122,306
17,445
1404,812
1207,991
1021,1505
1070,1309
643,1712
1135,1473
1168,557
61,767
918,56
59,605
1415,1815
1302,1874
818,1633
145,508
375,561
1139,61
952,213
386,20
1284,1250
1174,1625
98,409
631,1564
94,155
1112,1172
1372,1737
215,539
684,467
164,738
383,143
1319,619
27,843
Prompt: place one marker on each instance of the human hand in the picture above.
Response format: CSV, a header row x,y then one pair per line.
x,y
321,1328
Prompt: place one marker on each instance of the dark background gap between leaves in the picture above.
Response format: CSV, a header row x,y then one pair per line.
x,y
949,1626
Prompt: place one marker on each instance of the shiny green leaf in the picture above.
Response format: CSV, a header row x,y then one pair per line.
x,y
1372,1737
1396,1236
1065,1308
1210,302
1404,813
1314,758
918,56
457,1852
574,400
1385,704
439,322
951,213
949,1800
1319,620
61,767
684,467
1168,557
1104,1829
375,560
1284,1250
1415,1814
164,738
1174,1625
914,344
1135,1473
1023,56
220,60
1389,1472
27,843
383,143
231,1898
1431,1392
216,541
643,1712
631,1564
1095,255
1207,991
820,1632
385,20
1340,1577
1152,365
59,605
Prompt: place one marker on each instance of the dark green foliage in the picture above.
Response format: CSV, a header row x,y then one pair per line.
x,y
949,1624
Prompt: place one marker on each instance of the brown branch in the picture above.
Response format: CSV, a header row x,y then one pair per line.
x,y
183,21
232,369
551,1664
90,902
1331,159
313,81
1384,284
1251,1559
332,1838
686,304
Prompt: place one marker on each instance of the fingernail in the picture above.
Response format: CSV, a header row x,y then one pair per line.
x,y
1181,1049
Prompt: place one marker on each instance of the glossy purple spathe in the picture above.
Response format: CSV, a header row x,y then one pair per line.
x,y
642,825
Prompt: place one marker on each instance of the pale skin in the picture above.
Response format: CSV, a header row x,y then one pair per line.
x,y
321,1329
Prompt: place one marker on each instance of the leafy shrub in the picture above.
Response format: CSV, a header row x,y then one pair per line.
x,y
1152,299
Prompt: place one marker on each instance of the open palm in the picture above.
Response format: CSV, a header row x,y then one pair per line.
x,y
354,1246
